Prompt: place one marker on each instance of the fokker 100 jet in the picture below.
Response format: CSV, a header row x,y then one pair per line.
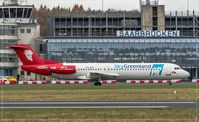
x,y
32,62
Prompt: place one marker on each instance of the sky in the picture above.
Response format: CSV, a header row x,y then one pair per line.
x,y
170,5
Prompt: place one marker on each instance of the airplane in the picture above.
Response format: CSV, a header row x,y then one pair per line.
x,y
32,62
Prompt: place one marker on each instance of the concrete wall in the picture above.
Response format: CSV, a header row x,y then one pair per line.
x,y
28,38
161,17
146,17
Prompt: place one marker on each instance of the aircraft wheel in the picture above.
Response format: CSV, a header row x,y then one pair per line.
x,y
97,83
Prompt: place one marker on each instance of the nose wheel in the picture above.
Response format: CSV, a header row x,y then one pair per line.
x,y
170,83
97,83
190,78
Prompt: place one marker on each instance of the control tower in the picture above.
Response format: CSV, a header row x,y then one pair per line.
x,y
16,26
153,15
15,11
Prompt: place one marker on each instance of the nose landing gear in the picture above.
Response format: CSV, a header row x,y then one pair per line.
x,y
98,83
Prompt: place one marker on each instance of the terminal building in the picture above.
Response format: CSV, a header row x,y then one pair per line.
x,y
106,24
16,26
148,35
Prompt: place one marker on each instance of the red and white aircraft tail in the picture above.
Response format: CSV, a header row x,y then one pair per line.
x,y
34,63
28,56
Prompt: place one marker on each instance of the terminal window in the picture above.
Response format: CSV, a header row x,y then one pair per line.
x,y
25,13
28,30
29,13
13,12
19,12
1,13
6,12
155,11
22,30
22,73
28,74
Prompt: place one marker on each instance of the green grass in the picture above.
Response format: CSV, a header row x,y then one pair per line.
x,y
100,95
103,87
188,115
119,92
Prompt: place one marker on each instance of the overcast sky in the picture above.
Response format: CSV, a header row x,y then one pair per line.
x,y
180,5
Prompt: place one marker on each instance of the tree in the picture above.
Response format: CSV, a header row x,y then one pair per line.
x,y
81,8
75,8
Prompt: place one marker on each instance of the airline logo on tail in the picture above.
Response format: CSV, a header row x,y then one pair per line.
x,y
28,54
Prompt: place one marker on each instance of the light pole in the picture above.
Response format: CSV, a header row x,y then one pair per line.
x,y
197,46
196,22
2,57
196,82
2,48
187,7
102,5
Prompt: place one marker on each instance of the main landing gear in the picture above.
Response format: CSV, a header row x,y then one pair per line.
x,y
98,83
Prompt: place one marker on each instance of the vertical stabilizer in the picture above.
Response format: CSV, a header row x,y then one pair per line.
x,y
28,56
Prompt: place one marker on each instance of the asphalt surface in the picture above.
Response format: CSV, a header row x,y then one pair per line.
x,y
116,104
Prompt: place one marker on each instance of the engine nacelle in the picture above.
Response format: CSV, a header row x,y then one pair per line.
x,y
63,69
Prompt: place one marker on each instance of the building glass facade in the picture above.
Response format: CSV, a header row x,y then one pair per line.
x,y
181,51
8,30
8,59
124,50
8,71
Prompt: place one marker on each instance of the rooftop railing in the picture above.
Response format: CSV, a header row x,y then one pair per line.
x,y
182,13
148,2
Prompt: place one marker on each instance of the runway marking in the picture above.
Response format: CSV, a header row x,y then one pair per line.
x,y
117,104
59,107
96,102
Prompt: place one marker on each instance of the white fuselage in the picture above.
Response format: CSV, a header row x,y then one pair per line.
x,y
126,71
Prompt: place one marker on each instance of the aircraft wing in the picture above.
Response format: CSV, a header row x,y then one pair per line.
x,y
97,75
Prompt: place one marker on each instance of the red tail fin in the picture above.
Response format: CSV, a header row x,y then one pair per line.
x,y
28,56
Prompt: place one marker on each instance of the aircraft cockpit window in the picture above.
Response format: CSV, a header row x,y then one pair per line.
x,y
177,68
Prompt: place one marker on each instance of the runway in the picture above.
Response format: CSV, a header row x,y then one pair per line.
x,y
116,104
